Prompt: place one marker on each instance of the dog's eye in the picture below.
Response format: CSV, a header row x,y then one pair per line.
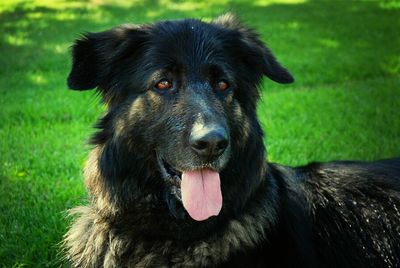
x,y
222,85
163,84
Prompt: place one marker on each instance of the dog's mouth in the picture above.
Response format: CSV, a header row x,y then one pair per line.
x,y
198,189
172,177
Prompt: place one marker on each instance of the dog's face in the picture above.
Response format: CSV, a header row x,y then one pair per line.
x,y
181,97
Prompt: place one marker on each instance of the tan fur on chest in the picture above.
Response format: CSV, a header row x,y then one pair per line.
x,y
92,242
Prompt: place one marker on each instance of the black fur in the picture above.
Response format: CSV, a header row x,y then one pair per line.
x,y
339,214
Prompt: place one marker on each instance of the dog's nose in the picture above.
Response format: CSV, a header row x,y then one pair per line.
x,y
209,141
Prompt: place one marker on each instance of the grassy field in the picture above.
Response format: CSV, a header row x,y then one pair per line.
x,y
345,103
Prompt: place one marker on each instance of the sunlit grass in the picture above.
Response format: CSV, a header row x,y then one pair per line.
x,y
344,104
15,40
357,120
272,2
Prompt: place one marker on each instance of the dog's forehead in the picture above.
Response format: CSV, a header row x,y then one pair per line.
x,y
190,42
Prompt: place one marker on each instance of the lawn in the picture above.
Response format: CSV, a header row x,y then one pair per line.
x,y
345,103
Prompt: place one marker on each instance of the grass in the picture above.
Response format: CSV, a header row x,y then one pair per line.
x,y
345,103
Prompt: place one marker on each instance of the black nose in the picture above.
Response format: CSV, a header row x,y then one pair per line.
x,y
209,141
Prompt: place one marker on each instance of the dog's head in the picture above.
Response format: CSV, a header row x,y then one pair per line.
x,y
181,98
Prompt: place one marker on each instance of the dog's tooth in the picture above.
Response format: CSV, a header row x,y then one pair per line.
x,y
178,194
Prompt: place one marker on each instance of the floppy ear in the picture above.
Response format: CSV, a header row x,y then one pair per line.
x,y
256,53
94,53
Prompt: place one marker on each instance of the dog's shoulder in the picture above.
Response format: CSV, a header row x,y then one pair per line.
x,y
353,180
349,205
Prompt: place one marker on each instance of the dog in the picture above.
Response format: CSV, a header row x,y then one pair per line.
x,y
178,176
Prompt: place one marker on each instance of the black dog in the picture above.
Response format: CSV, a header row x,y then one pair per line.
x,y
178,178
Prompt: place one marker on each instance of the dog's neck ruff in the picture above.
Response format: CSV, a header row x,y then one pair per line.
x,y
93,242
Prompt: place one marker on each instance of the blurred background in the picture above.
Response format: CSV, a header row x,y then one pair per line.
x,y
345,103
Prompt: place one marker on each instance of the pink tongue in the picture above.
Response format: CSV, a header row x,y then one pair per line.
x,y
201,193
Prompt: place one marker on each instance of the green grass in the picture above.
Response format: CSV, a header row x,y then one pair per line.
x,y
345,103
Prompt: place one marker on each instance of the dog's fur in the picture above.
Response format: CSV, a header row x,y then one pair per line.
x,y
339,214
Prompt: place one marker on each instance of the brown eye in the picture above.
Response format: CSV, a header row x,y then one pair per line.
x,y
222,85
163,84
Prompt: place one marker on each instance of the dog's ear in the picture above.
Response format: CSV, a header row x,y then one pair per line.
x,y
254,51
94,53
